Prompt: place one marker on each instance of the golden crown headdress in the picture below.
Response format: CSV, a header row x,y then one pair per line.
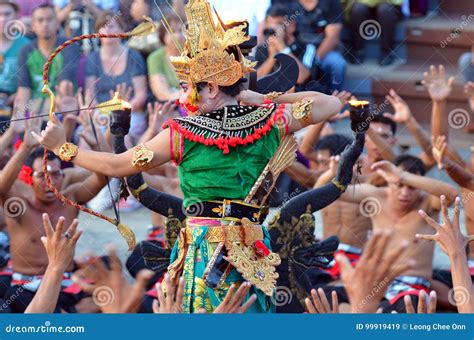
x,y
211,52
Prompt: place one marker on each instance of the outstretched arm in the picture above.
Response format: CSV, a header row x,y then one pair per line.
x,y
323,196
155,200
109,164
319,106
395,175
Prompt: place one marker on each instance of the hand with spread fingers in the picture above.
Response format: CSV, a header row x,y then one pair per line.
x,y
125,92
402,110
448,235
159,113
422,307
343,96
367,283
439,150
65,98
120,296
453,242
60,247
172,301
439,88
234,300
319,304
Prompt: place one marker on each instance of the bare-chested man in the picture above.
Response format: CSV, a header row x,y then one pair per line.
x,y
340,218
24,201
395,207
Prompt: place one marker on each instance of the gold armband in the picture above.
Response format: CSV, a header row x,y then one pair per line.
x,y
136,192
303,111
339,185
142,157
272,95
67,152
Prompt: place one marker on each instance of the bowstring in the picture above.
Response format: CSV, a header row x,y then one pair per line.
x,y
94,132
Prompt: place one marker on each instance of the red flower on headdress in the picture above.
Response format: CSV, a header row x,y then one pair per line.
x,y
26,175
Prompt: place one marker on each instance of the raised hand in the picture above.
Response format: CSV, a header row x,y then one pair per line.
x,y
60,245
469,92
60,250
53,136
367,283
402,110
422,308
66,100
125,92
439,88
319,304
32,126
343,96
86,100
234,300
159,113
448,235
172,301
110,290
439,150
391,173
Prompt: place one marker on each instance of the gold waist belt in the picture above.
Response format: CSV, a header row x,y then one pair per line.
x,y
247,234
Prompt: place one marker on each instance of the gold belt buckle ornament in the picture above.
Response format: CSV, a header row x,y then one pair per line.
x,y
258,270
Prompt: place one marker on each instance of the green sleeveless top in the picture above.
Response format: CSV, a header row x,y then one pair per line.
x,y
215,167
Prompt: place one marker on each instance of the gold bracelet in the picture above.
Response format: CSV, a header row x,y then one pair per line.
x,y
142,157
272,95
68,151
339,185
136,192
303,111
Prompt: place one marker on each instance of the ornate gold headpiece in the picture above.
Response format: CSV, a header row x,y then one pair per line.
x,y
211,52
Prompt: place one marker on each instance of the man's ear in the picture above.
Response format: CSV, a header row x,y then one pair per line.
x,y
213,89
